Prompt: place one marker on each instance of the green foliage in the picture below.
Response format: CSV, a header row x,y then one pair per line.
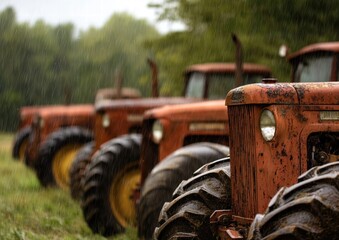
x,y
262,26
44,64
117,45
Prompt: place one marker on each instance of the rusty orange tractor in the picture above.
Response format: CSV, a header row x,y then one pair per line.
x,y
57,133
27,114
113,176
277,132
294,127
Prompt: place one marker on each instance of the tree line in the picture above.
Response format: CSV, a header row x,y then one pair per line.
x,y
43,64
39,63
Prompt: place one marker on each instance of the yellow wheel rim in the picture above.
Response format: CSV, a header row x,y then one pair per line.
x,y
22,150
62,162
121,194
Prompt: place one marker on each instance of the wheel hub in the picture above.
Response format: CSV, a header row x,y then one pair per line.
x,y
121,194
62,162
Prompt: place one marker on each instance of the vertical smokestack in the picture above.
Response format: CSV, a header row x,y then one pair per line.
x,y
154,69
238,61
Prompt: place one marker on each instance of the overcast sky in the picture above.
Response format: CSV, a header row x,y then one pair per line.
x,y
84,13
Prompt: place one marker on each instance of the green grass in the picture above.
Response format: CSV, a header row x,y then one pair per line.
x,y
28,211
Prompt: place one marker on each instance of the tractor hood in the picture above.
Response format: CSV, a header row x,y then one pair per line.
x,y
285,93
67,110
227,67
209,110
27,113
144,103
318,47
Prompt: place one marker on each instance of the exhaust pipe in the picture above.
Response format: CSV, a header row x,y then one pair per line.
x,y
238,61
154,69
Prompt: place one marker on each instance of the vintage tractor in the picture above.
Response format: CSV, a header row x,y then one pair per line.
x,y
112,179
294,127
27,114
299,61
57,133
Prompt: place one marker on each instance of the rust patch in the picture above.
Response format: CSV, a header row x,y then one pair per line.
x,y
280,94
301,117
300,91
238,95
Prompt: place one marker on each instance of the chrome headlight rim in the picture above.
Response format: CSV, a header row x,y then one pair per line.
x,y
106,121
157,131
268,125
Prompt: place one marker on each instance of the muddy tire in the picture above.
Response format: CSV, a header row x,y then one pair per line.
x,y
306,210
77,171
109,181
20,143
167,175
188,214
57,153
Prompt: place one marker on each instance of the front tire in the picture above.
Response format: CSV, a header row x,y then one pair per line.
x,y
109,182
77,171
188,214
20,143
166,176
307,210
57,153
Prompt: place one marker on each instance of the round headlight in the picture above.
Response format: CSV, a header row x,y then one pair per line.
x,y
267,125
106,121
157,131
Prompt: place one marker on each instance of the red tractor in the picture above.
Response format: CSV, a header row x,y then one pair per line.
x,y
112,179
297,128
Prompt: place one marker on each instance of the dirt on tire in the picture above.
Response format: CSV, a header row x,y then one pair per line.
x,y
77,171
188,214
308,210
104,167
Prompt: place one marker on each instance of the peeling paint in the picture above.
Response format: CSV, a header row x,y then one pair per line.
x,y
238,95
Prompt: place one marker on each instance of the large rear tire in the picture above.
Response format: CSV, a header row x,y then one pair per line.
x,y
20,143
77,171
57,153
109,183
166,176
188,215
307,210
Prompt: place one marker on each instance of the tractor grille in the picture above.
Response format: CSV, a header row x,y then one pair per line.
x,y
243,145
322,148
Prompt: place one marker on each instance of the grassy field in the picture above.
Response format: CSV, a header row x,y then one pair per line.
x,y
28,211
